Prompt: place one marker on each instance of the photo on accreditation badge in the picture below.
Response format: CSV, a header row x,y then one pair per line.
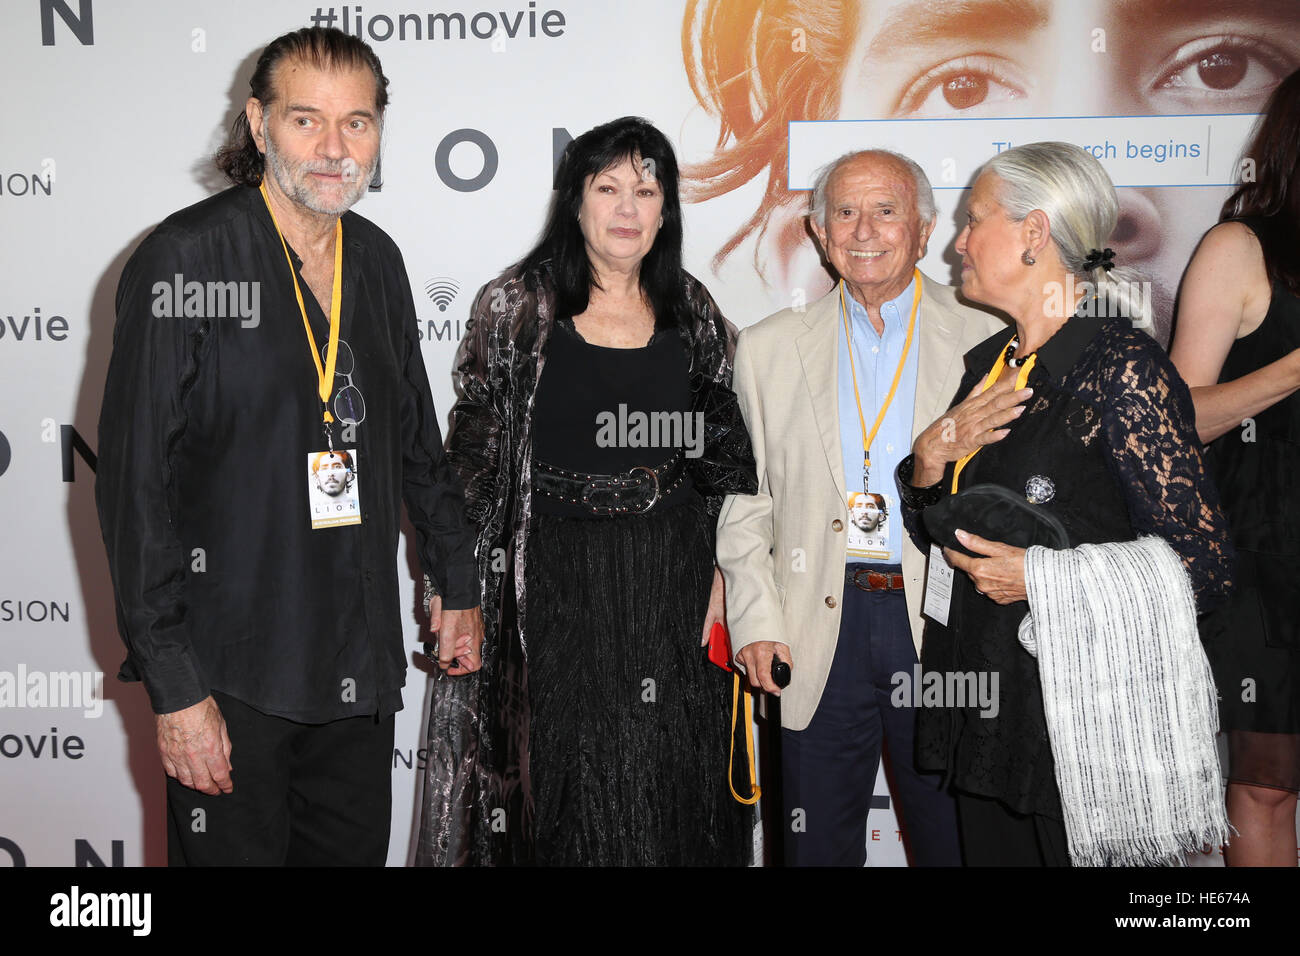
x,y
332,489
868,525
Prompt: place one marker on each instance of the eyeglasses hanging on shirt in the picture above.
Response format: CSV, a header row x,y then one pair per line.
x,y
332,502
349,406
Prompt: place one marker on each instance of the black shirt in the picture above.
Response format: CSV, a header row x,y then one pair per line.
x,y
202,484
1109,439
584,384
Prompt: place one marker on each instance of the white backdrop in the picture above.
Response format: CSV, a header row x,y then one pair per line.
x,y
113,109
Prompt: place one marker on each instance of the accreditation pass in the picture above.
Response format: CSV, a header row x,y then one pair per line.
x,y
938,587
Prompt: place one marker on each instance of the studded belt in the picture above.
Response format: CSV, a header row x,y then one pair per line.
x,y
634,492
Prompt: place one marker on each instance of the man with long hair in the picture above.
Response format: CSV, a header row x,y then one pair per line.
x,y
273,667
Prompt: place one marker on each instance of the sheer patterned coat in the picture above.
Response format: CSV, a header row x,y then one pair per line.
x,y
476,801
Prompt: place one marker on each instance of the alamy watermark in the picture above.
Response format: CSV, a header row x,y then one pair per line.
x,y
208,300
82,690
127,910
946,689
637,429
1120,299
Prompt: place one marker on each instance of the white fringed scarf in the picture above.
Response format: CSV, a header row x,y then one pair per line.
x,y
1130,702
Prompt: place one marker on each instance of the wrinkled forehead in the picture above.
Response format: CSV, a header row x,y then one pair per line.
x,y
872,178
299,82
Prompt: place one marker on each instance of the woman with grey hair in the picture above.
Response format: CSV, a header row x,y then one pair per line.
x,y
1101,747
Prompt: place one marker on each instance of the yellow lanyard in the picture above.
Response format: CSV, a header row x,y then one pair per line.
x,y
898,374
325,374
994,374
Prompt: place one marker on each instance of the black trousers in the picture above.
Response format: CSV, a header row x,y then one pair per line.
x,y
829,768
993,835
304,795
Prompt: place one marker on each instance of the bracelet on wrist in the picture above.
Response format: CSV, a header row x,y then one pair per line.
x,y
917,498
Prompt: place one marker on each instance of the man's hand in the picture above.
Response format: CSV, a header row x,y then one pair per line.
x,y
460,637
756,659
1000,576
717,606
979,420
195,748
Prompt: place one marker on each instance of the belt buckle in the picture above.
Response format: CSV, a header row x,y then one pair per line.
x,y
597,484
653,477
619,485
877,580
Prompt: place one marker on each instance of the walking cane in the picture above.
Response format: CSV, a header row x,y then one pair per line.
x,y
773,795
773,830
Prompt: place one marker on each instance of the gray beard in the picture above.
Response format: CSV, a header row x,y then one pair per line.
x,y
287,178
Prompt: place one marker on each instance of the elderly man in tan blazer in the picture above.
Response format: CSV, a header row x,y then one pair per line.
x,y
817,572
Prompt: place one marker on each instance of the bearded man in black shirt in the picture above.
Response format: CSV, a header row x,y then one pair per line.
x,y
271,661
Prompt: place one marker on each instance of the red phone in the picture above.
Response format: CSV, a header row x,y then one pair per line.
x,y
720,646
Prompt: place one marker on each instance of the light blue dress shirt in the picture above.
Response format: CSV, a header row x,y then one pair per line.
x,y
876,358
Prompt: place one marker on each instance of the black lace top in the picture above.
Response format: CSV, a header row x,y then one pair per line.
x,y
1109,440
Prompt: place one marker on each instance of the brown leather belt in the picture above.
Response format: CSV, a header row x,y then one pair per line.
x,y
866,579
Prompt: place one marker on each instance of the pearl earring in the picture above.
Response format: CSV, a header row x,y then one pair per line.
x,y
1027,259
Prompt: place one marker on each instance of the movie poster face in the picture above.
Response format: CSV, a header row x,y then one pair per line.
x,y
760,67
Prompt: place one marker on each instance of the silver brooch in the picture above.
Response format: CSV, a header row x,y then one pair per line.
x,y
1039,490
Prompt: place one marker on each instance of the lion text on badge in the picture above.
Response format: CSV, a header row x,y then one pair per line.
x,y
333,493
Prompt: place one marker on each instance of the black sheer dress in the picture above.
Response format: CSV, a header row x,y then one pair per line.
x,y
1253,641
629,723
1108,438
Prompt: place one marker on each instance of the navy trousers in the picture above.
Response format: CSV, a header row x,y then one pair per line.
x,y
829,769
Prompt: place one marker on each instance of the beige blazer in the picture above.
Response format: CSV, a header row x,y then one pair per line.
x,y
783,550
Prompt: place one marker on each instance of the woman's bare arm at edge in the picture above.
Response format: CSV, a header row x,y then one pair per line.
x,y
1225,296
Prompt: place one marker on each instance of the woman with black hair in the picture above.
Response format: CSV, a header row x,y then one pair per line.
x,y
1237,344
596,434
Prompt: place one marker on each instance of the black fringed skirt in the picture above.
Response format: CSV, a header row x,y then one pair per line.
x,y
630,722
